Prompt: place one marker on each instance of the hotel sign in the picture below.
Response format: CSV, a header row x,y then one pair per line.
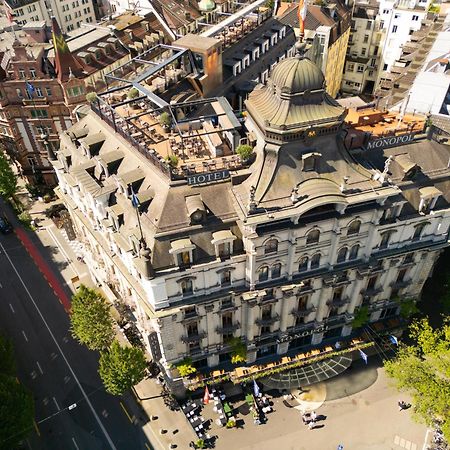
x,y
390,141
208,177
291,337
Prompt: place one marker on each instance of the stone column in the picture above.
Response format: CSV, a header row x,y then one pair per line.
x,y
322,309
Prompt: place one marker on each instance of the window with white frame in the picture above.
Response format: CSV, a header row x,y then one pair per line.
x,y
342,255
276,271
303,264
354,252
313,237
315,261
263,273
354,228
271,246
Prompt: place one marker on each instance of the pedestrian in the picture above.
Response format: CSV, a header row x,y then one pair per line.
x,y
305,418
311,424
402,405
313,416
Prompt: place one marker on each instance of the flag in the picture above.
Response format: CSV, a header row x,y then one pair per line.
x,y
363,356
302,8
393,339
134,199
337,345
30,88
255,388
206,396
9,15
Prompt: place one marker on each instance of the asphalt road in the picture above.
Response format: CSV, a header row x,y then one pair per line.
x,y
58,370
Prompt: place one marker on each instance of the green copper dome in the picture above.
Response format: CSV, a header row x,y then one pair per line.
x,y
206,5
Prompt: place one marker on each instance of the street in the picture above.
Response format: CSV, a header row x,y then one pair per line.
x,y
60,372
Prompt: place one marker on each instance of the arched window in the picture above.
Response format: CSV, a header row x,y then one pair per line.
x,y
271,246
313,237
315,261
276,271
354,227
303,265
186,287
263,273
354,252
418,229
342,255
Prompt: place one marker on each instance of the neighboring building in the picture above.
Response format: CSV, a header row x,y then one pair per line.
x,y
330,24
419,79
282,254
70,14
398,21
33,115
363,54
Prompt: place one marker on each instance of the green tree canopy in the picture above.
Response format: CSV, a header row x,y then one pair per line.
x,y
423,369
92,324
186,368
8,180
16,412
238,350
121,368
244,151
7,359
361,317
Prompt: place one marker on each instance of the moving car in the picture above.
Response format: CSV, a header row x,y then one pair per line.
x,y
5,226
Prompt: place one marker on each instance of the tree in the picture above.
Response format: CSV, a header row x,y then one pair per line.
x,y
92,324
185,367
407,307
361,317
238,350
91,97
423,369
8,180
16,412
121,368
7,360
244,151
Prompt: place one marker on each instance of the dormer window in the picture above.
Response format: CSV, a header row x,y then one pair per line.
x,y
428,197
196,208
223,243
182,250
310,161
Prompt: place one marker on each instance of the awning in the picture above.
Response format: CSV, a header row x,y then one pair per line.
x,y
307,375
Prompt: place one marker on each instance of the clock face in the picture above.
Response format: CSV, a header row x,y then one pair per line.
x,y
197,216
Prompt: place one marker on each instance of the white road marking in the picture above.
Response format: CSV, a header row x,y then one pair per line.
x,y
1,285
45,401
425,442
75,443
56,404
66,379
11,308
40,368
24,335
97,418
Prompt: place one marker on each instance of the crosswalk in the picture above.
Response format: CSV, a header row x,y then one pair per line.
x,y
404,443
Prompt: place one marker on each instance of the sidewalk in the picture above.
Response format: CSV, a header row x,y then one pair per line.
x,y
176,430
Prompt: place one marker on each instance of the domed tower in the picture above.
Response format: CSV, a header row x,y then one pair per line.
x,y
300,158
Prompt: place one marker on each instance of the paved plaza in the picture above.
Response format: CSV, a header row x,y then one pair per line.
x,y
361,414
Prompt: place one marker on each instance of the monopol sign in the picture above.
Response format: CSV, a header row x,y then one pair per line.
x,y
390,141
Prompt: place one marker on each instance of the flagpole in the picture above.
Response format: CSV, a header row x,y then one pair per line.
x,y
136,204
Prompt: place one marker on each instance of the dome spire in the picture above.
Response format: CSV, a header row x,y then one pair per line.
x,y
302,9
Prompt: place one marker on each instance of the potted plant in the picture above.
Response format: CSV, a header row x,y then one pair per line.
x,y
172,160
231,423
199,443
165,120
91,97
245,151
133,93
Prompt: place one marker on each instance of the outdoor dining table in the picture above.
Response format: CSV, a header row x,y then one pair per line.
x,y
196,422
189,407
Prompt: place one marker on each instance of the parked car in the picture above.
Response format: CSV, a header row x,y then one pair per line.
x,y
5,226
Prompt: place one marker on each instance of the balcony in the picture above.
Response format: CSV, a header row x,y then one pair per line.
x,y
371,292
400,284
303,312
338,302
190,315
267,321
227,329
192,338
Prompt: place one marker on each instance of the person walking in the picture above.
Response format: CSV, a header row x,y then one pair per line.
x,y
313,416
311,424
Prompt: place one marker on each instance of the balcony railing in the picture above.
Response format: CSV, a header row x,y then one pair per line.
x,y
191,338
303,312
226,329
264,321
371,292
338,302
400,284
